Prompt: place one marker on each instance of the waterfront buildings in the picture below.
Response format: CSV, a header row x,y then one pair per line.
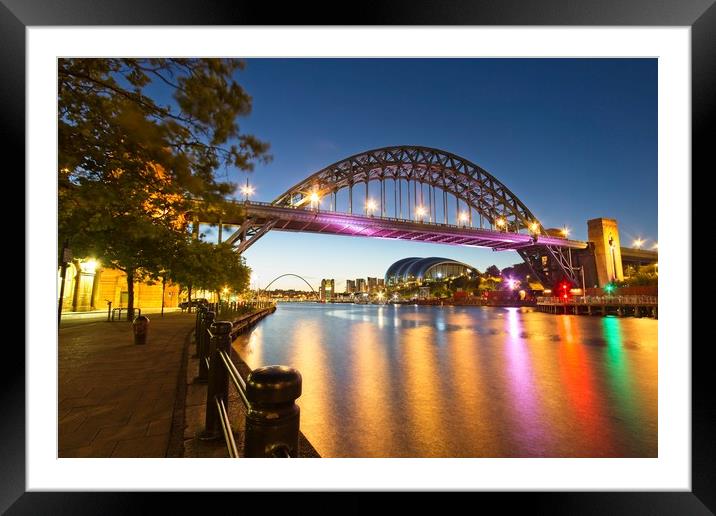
x,y
327,289
417,270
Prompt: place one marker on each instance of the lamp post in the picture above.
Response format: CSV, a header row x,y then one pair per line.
x,y
584,290
65,259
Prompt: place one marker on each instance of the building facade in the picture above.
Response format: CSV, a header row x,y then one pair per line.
x,y
327,289
418,270
88,286
350,286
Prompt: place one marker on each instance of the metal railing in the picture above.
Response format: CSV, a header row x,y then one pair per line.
x,y
600,300
269,393
118,311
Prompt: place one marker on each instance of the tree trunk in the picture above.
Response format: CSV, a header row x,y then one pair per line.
x,y
188,289
130,294
164,287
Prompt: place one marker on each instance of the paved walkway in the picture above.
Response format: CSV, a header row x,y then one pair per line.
x,y
116,399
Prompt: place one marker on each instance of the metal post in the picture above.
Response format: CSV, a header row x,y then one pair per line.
x,y
197,328
204,345
64,260
218,379
272,422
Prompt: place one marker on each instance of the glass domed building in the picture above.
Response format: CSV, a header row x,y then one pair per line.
x,y
419,270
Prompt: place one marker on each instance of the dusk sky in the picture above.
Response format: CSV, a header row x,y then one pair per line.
x,y
574,139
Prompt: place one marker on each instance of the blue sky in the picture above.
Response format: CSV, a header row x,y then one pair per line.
x,y
574,139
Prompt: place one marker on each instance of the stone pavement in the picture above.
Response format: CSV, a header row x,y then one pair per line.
x,y
117,399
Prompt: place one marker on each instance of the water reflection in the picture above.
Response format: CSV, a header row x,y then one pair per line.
x,y
406,381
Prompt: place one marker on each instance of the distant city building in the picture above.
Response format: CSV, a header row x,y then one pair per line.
x,y
361,285
381,283
372,284
419,270
327,290
350,286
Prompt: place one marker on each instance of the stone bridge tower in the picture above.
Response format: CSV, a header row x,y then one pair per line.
x,y
604,234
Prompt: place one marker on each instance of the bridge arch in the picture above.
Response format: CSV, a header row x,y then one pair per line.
x,y
283,276
411,166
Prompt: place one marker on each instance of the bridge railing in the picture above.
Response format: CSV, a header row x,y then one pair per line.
x,y
386,218
269,393
599,300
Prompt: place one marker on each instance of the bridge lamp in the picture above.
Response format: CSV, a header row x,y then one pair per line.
x,y
565,231
500,222
638,243
420,211
534,227
314,198
371,206
463,217
247,190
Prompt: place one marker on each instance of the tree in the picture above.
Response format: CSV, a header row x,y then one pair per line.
x,y
133,158
205,266
493,271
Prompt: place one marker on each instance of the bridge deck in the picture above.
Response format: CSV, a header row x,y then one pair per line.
x,y
335,223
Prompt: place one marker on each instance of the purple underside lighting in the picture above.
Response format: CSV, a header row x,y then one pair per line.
x,y
337,223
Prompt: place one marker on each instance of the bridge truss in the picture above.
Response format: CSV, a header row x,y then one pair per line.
x,y
409,193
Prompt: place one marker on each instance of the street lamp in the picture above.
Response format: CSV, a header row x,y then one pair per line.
x,y
534,227
420,212
315,199
565,231
638,243
247,190
370,206
500,222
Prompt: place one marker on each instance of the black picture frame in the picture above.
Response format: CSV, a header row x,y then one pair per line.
x,y
700,15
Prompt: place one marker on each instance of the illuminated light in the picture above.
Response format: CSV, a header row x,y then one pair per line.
x,y
226,290
638,243
609,288
511,284
90,265
548,291
247,190
500,222
371,206
420,211
314,198
565,231
463,217
381,295
534,227
655,246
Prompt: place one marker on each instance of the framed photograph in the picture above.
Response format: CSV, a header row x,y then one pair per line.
x,y
442,223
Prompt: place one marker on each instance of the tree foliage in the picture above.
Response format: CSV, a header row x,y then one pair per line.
x,y
492,270
139,140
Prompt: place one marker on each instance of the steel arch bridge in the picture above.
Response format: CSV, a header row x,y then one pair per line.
x,y
409,193
285,275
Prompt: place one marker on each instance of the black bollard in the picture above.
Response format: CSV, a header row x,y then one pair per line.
x,y
272,421
218,379
204,346
140,328
198,328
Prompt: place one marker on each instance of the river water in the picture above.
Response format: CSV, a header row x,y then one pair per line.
x,y
419,381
